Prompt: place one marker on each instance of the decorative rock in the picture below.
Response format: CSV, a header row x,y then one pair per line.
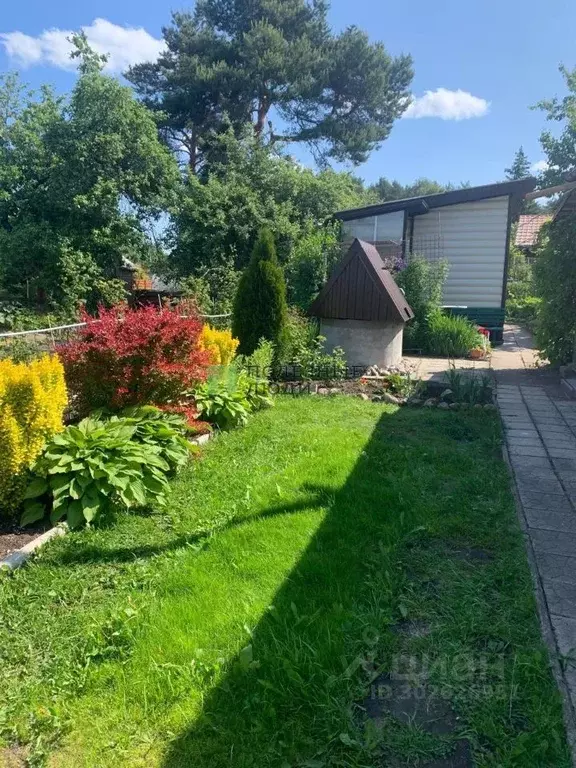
x,y
464,406
490,407
478,406
444,406
455,406
430,403
415,401
447,395
376,398
388,398
334,391
323,391
363,396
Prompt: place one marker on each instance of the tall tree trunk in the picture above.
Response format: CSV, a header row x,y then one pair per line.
x,y
263,107
193,152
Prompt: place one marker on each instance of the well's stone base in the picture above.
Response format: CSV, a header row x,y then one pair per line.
x,y
364,342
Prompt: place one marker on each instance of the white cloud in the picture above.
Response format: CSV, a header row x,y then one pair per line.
x,y
539,166
447,105
124,45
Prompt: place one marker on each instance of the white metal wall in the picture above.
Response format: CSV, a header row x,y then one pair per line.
x,y
472,238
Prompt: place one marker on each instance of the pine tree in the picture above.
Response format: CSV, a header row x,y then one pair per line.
x,y
260,308
520,167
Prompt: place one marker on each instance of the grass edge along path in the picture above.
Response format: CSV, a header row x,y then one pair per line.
x,y
348,540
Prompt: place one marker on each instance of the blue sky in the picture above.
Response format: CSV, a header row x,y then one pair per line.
x,y
492,58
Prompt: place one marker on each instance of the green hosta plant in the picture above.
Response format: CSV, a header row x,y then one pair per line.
x,y
91,469
224,409
162,430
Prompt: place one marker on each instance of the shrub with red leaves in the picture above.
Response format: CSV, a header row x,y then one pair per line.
x,y
134,357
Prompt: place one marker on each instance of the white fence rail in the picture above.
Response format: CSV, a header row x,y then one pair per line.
x,y
55,328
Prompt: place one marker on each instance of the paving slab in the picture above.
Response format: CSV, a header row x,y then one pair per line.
x,y
561,598
540,433
550,543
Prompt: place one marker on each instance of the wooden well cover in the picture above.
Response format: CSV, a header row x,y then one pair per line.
x,y
360,288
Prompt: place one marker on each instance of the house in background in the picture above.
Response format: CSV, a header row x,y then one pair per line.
x,y
469,228
144,287
529,226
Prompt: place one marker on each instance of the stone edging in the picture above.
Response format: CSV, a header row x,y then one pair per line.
x,y
17,558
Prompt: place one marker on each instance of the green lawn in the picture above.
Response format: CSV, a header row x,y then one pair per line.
x,y
302,558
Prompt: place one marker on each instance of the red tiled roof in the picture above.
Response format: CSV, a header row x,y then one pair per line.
x,y
528,228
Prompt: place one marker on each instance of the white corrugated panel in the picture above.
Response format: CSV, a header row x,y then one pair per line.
x,y
472,237
388,226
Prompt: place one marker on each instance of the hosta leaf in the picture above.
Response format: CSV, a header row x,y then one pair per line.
x,y
138,491
32,513
90,506
58,513
37,487
74,514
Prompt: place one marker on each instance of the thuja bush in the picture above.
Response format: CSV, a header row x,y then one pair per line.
x,y
127,357
32,401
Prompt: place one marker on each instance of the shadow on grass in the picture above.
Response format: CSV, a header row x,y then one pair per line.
x,y
90,553
290,697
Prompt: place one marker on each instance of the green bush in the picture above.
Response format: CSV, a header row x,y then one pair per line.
x,y
260,304
469,387
422,282
310,263
260,362
88,471
524,311
555,281
450,335
225,409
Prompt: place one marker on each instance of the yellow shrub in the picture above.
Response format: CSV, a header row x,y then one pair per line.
x,y
221,345
32,401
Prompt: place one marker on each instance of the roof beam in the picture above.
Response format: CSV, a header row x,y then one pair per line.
x,y
549,191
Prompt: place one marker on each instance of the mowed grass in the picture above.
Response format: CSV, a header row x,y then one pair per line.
x,y
327,543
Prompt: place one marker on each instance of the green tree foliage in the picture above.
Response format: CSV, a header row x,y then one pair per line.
x,y
520,169
310,263
260,307
384,190
251,187
252,61
560,148
555,279
80,177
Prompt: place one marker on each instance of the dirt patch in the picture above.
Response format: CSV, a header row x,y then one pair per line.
x,y
472,555
13,757
412,628
13,537
410,704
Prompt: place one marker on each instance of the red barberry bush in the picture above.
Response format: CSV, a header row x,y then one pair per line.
x,y
127,357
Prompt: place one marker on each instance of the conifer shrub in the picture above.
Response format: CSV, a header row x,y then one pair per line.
x,y
260,308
